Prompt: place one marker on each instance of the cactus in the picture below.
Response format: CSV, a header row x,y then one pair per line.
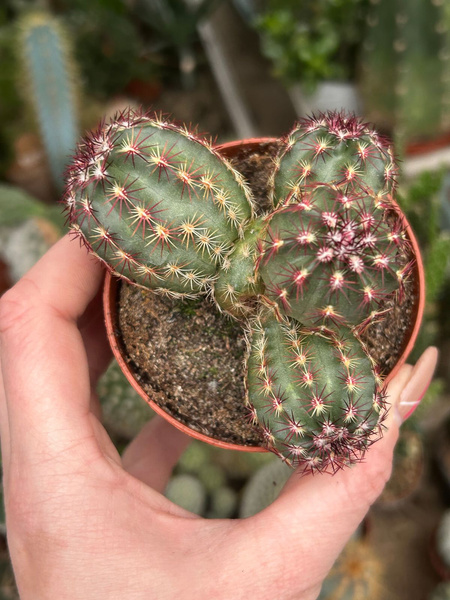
x,y
49,80
334,149
441,592
163,210
305,417
356,574
263,488
157,203
188,492
124,412
224,501
335,261
405,67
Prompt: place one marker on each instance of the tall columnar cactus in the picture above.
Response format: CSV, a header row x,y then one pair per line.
x,y
49,83
164,210
406,67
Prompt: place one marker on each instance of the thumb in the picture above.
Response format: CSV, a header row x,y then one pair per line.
x,y
319,513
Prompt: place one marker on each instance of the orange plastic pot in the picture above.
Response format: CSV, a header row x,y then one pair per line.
x,y
110,295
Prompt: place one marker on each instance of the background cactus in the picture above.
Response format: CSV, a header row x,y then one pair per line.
x,y
263,488
49,80
356,574
124,412
188,492
163,209
441,592
406,68
443,540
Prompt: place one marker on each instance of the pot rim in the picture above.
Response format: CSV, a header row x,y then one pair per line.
x,y
110,313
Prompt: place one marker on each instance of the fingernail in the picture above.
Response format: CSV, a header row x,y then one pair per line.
x,y
418,384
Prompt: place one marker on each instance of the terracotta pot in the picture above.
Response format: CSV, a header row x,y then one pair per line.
x,y
111,287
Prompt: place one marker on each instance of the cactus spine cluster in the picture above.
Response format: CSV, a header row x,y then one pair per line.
x,y
160,206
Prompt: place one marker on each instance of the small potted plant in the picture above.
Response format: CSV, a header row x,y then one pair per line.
x,y
314,272
314,47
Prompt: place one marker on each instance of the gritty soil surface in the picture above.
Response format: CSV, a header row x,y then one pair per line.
x,y
386,339
189,358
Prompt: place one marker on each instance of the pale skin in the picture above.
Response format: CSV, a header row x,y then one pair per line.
x,y
84,523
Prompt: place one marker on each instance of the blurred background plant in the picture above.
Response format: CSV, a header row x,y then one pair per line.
x,y
405,75
311,41
64,64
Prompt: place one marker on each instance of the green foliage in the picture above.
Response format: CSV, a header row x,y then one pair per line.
x,y
312,40
11,102
16,206
174,25
108,48
421,201
174,21
27,229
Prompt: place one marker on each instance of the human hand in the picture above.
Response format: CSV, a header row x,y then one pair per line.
x,y
85,524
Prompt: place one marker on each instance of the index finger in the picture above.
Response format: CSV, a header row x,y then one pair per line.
x,y
43,358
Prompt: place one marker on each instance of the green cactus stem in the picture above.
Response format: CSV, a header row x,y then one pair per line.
x,y
441,592
334,149
49,78
188,492
124,412
315,395
238,284
263,488
156,203
333,256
